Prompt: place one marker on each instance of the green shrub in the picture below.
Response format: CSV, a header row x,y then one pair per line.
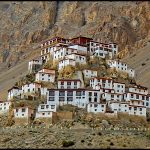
x,y
67,143
111,143
99,133
82,141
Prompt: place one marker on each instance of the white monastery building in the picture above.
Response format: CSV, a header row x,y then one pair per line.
x,y
4,107
14,92
45,110
34,65
31,88
121,66
47,75
89,73
23,112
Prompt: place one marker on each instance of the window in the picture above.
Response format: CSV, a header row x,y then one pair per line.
x,y
47,106
70,93
105,49
90,93
112,96
42,106
75,83
61,93
95,94
129,108
68,83
95,99
132,95
22,114
42,74
52,106
16,110
51,98
78,93
143,97
135,108
125,105
102,105
61,99
43,114
137,96
69,98
90,99
95,105
62,83
23,109
28,90
147,104
140,109
51,93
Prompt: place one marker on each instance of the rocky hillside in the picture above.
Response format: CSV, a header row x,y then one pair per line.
x,y
140,60
25,24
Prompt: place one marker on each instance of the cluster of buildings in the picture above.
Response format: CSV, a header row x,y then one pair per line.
x,y
104,95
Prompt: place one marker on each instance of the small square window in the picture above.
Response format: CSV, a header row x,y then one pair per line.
x,y
42,106
23,109
95,105
52,106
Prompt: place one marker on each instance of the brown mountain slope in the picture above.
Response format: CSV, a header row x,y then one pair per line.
x,y
25,23
9,77
140,61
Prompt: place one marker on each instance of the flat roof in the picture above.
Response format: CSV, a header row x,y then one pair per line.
x,y
81,37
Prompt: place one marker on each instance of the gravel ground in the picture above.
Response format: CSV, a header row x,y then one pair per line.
x,y
79,138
